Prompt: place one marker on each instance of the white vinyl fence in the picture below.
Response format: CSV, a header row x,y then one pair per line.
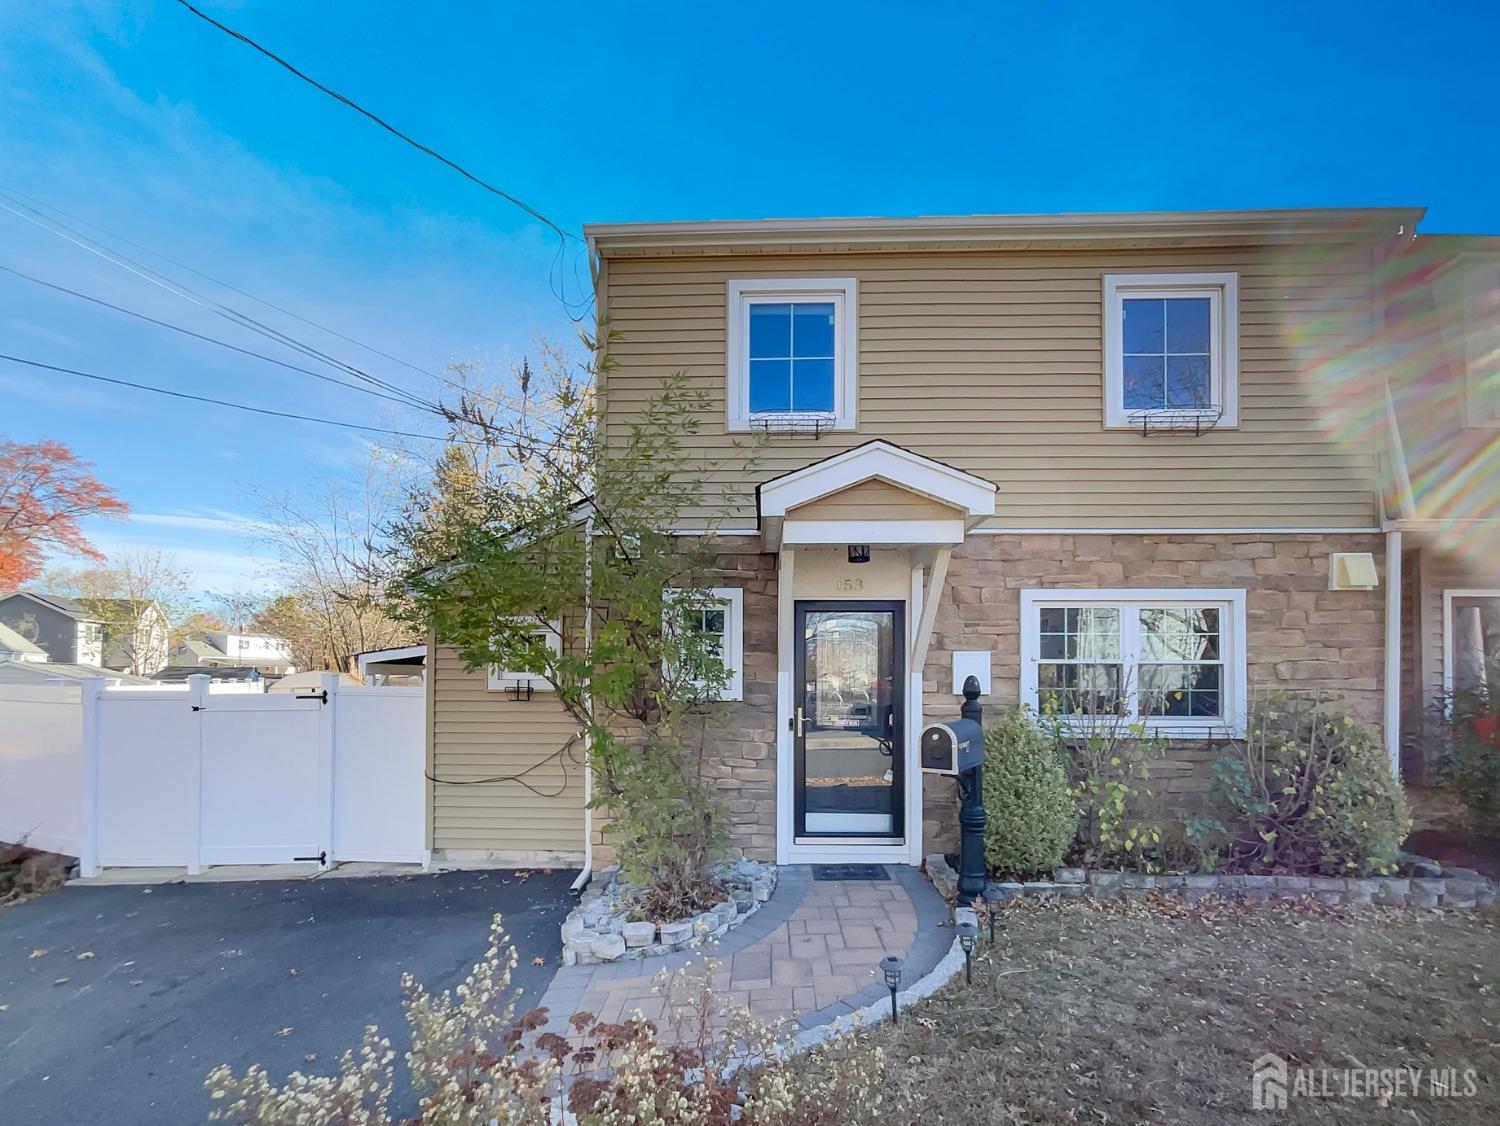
x,y
145,777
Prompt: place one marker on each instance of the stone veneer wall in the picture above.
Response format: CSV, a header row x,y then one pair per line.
x,y
1301,635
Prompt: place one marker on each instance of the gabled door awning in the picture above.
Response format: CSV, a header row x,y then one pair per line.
x,y
876,493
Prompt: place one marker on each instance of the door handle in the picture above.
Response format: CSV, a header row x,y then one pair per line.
x,y
799,722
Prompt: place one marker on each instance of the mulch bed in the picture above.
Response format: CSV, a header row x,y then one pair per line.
x,y
1153,1011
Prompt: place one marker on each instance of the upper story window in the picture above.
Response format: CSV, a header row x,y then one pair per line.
x,y
548,636
1171,347
791,352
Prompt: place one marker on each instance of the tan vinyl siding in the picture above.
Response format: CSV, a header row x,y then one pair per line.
x,y
992,361
479,734
874,500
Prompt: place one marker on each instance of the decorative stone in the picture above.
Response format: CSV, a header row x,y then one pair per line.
x,y
1169,883
673,933
613,924
1265,883
1006,890
608,947
1071,891
570,957
1360,892
1068,875
1460,893
725,911
965,915
1104,881
1137,881
703,924
638,934
1426,893
1292,886
1420,866
1201,883
743,897
1485,896
1392,891
763,886
1038,889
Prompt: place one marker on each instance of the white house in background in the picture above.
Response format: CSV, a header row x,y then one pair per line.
x,y
230,649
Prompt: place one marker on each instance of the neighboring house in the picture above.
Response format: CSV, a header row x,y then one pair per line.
x,y
14,647
1079,456
231,649
1443,328
136,634
52,672
63,628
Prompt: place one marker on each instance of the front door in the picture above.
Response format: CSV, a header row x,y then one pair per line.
x,y
847,720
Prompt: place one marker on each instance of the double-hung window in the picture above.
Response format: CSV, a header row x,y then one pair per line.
x,y
791,353
1170,348
1174,659
716,624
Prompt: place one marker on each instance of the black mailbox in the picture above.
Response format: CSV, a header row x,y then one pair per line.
x,y
952,747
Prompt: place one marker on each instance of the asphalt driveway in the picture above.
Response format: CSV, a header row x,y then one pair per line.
x,y
142,990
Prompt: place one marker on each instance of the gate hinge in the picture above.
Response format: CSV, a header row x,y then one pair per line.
x,y
321,697
196,707
322,857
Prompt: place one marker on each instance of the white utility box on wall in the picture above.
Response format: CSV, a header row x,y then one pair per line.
x,y
971,662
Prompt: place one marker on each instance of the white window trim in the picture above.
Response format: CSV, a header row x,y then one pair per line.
x,y
1222,290
843,292
498,679
1449,597
1231,603
732,598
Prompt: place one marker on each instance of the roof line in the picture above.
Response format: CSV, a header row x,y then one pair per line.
x,y
1351,223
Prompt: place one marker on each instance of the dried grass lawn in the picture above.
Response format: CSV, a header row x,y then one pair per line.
x,y
1132,1012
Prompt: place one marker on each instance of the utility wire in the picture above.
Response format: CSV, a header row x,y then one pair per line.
x,y
229,313
218,402
562,235
208,339
223,284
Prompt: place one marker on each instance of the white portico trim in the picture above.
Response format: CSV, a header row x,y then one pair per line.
x,y
919,511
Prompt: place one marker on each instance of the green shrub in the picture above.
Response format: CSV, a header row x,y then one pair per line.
x,y
1309,790
1032,815
1108,757
1467,763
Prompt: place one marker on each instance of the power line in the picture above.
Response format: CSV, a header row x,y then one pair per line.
x,y
208,339
562,235
218,402
244,320
224,284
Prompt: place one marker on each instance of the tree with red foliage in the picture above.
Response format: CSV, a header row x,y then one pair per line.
x,y
45,490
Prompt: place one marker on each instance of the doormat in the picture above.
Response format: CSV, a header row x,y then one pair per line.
x,y
850,872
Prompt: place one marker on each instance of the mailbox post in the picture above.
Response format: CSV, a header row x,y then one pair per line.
x,y
957,748
973,873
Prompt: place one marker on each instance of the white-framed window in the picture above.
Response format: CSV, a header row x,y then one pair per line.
x,y
720,620
792,351
500,679
1471,643
1171,348
1174,658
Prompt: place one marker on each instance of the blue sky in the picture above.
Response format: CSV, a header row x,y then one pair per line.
x,y
141,119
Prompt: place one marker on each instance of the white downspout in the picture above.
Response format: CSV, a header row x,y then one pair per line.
x,y
1393,650
588,700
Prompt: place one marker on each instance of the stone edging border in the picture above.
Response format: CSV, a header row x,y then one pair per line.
x,y
1457,888
630,941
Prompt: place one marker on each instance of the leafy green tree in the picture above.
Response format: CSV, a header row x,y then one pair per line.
x,y
544,544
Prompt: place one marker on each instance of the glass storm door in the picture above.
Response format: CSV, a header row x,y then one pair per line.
x,y
847,719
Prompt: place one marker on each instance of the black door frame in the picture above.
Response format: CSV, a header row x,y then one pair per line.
x,y
897,609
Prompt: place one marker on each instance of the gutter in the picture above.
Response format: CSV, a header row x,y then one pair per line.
x,y
588,770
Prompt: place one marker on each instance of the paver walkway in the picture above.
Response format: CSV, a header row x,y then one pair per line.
x,y
810,955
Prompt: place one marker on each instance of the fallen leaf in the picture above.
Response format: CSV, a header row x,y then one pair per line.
x,y
84,955
3,1008
293,972
287,1031
60,981
38,953
539,961
310,1056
